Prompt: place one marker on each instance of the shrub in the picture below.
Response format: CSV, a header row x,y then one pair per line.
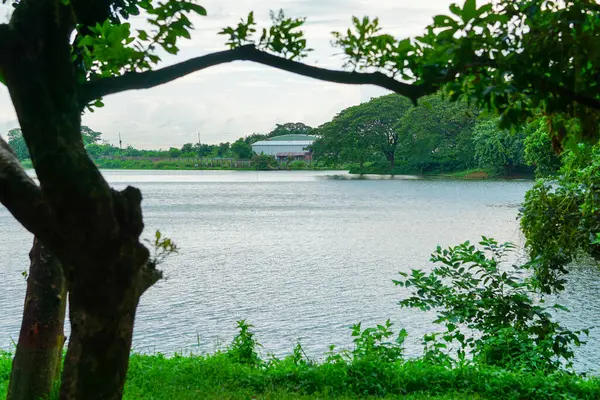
x,y
263,162
298,164
244,348
496,304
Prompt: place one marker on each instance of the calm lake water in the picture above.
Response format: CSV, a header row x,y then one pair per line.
x,y
301,255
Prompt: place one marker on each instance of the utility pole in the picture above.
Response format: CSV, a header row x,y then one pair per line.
x,y
120,142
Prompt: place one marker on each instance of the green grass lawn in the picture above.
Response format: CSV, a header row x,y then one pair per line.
x,y
220,376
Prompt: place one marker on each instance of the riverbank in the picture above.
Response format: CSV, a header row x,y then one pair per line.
x,y
199,165
225,376
244,165
473,173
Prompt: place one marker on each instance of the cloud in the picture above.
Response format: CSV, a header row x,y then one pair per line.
x,y
229,101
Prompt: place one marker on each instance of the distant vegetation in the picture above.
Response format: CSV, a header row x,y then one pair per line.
x,y
225,155
386,135
390,135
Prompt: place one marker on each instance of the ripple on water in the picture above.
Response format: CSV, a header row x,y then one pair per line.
x,y
297,254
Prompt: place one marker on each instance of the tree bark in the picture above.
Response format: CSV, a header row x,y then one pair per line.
x,y
105,265
103,298
391,159
99,346
39,351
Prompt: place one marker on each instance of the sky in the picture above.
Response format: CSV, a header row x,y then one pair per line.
x,y
229,101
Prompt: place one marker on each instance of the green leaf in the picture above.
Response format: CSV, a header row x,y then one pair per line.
x,y
469,10
142,35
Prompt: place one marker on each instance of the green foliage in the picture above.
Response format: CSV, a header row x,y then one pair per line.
x,y
374,343
440,134
508,325
298,164
560,217
223,375
89,135
435,136
187,148
111,48
358,133
219,377
223,149
263,162
174,152
290,128
496,148
550,39
244,349
538,150
17,143
162,248
241,149
476,52
283,37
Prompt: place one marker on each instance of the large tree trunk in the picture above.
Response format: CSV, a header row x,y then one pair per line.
x,y
37,359
102,310
92,229
99,346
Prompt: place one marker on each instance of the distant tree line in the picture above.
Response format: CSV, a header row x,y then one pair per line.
x,y
390,134
98,148
387,134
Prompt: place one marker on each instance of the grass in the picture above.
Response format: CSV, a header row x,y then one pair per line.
x,y
222,376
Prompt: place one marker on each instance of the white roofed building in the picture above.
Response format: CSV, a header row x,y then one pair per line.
x,y
283,147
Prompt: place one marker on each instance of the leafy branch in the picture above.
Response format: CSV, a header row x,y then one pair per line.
x,y
282,37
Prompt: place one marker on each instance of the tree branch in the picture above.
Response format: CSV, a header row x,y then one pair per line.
x,y
147,277
90,91
23,198
6,41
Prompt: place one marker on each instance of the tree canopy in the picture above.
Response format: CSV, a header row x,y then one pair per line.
x,y
358,132
435,135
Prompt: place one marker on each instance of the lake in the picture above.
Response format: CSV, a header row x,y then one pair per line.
x,y
300,255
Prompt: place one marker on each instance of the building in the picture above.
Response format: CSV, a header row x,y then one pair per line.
x,y
286,147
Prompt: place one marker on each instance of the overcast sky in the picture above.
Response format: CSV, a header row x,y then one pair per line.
x,y
229,101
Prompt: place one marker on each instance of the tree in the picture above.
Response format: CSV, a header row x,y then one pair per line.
x,y
560,217
439,134
58,58
187,148
538,150
41,337
434,134
496,148
17,144
340,141
223,149
89,135
290,128
203,150
363,130
255,137
241,149
174,152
